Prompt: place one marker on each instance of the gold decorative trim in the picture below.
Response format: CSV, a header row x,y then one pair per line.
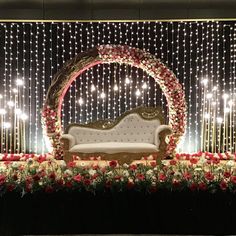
x,y
122,157
146,113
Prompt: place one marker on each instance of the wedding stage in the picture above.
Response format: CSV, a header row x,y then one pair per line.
x,y
108,142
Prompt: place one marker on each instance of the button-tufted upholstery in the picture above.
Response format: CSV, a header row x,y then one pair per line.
x,y
132,129
132,134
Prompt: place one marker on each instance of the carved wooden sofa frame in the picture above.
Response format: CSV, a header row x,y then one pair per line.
x,y
146,113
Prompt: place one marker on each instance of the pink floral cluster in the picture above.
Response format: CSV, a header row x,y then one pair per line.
x,y
165,78
52,128
23,157
207,155
50,118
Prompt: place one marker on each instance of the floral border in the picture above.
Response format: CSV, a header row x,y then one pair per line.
x,y
45,174
169,84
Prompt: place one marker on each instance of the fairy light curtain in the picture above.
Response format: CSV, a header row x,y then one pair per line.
x,y
201,54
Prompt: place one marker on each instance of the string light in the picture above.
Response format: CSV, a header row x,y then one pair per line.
x,y
7,125
201,54
138,93
3,111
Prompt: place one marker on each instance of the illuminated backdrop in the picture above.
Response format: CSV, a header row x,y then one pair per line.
x,y
201,54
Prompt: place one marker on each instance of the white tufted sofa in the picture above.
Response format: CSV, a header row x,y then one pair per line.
x,y
133,134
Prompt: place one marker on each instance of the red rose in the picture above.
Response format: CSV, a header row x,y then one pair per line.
x,y
96,167
153,163
71,164
10,187
233,179
60,182
209,176
87,181
117,178
2,179
69,184
113,163
193,160
162,177
176,183
36,177
41,159
227,174
216,161
193,186
187,176
133,167
77,178
223,185
95,176
52,176
202,186
15,177
7,163
140,177
173,162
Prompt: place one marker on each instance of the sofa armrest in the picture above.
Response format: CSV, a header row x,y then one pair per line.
x,y
160,136
68,141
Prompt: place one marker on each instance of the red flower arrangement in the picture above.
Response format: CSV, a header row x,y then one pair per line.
x,y
52,175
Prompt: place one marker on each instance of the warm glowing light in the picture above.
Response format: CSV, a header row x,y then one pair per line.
x,y
231,103
24,117
3,111
6,125
14,90
1,96
209,95
214,88
10,104
93,88
127,81
138,93
144,86
48,143
18,111
103,95
204,82
207,115
219,120
213,103
80,101
116,87
19,82
227,110
225,96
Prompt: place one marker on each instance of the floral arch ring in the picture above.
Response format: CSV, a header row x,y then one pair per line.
x,y
121,54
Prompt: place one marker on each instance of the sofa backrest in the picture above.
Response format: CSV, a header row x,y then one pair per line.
x,y
132,128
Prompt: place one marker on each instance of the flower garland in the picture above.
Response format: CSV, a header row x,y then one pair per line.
x,y
52,128
197,174
122,55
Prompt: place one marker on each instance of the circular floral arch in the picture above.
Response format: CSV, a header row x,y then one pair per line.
x,y
121,54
